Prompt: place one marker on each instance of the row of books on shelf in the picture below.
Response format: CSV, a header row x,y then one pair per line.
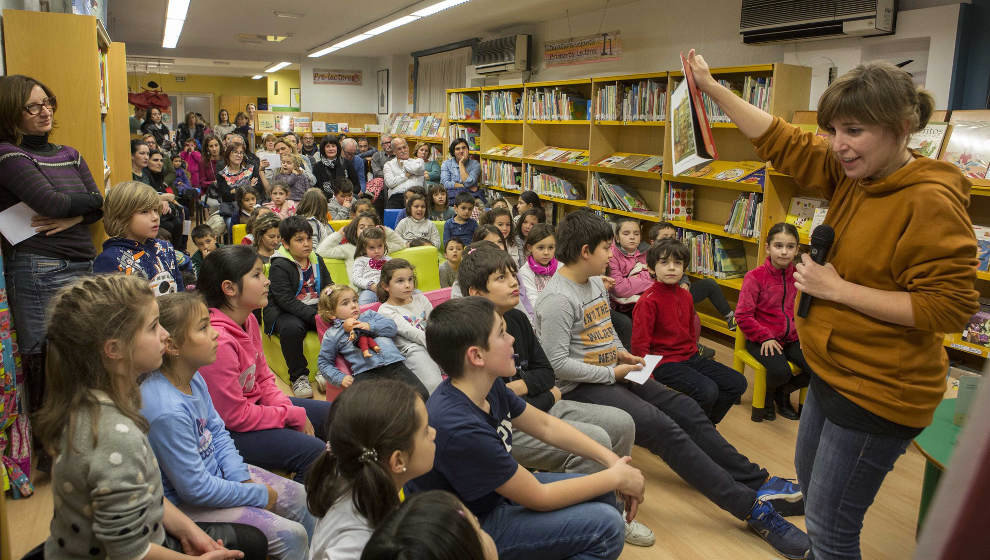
x,y
463,106
506,150
751,172
295,122
467,132
715,256
746,215
503,105
965,144
645,100
635,162
753,90
556,104
501,174
606,191
408,124
562,155
548,184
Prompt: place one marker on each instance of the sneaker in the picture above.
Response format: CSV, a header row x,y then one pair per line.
x,y
730,321
301,388
321,384
784,494
705,352
639,535
784,537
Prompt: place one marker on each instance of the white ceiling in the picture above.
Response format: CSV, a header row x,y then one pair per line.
x,y
212,27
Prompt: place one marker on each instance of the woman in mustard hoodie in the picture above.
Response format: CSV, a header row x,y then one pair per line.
x,y
900,273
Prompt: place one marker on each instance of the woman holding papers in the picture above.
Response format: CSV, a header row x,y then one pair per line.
x,y
51,184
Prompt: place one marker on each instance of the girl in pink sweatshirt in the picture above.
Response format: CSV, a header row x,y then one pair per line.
x,y
627,266
270,429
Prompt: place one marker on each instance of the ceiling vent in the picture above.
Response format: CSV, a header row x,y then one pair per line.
x,y
506,54
767,21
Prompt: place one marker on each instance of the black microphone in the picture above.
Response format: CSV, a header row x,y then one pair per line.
x,y
821,244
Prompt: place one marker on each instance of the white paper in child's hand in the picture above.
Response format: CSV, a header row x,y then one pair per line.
x,y
640,376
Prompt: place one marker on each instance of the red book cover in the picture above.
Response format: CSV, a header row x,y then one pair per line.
x,y
699,110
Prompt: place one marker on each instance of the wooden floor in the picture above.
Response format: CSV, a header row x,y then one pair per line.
x,y
687,526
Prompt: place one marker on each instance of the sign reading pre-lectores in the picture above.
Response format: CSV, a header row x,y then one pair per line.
x,y
337,77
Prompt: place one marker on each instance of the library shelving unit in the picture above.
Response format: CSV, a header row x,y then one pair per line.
x,y
464,116
276,122
74,57
503,111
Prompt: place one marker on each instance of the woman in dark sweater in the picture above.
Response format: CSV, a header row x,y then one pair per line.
x,y
153,125
189,129
55,183
329,166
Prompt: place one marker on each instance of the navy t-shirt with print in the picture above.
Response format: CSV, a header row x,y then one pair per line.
x,y
473,448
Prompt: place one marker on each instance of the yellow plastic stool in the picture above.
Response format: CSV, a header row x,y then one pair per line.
x,y
239,232
742,358
337,225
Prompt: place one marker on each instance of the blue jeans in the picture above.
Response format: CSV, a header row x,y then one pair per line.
x,y
367,296
585,531
286,449
32,281
713,385
840,471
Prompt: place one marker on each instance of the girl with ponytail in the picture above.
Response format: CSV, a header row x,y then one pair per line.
x,y
379,440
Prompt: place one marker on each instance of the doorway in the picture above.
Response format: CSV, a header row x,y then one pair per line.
x,y
182,103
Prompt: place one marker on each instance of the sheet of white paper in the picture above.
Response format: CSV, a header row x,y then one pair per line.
x,y
15,223
274,161
640,376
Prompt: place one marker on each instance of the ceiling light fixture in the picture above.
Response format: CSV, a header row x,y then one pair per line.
x,y
277,67
419,14
175,16
257,76
287,15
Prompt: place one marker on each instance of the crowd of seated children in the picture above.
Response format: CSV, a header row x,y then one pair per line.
x,y
489,272
416,225
131,219
462,225
341,244
280,203
439,210
270,430
106,484
523,224
343,197
453,250
381,439
766,316
574,326
410,310
560,515
540,265
266,236
370,254
313,207
297,278
202,472
363,339
666,324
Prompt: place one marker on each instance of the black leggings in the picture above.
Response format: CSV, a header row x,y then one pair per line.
x,y
708,288
235,536
291,333
778,372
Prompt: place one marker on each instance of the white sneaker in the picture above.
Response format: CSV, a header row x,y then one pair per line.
x,y
321,384
302,389
639,535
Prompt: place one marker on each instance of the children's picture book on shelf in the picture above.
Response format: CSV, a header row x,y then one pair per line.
x,y
331,127
319,126
634,162
302,124
545,183
678,203
983,246
562,155
802,211
733,171
928,141
606,192
343,127
266,122
507,150
283,123
746,215
819,218
968,148
978,329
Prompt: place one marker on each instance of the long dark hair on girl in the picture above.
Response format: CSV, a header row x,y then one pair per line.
x,y
430,525
541,218
350,230
230,262
388,271
370,421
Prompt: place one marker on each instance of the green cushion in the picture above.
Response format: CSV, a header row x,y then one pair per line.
x,y
276,361
425,261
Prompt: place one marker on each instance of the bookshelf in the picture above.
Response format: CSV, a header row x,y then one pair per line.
x,y
73,55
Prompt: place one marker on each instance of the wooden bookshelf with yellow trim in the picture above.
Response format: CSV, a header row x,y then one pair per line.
x,y
279,123
74,57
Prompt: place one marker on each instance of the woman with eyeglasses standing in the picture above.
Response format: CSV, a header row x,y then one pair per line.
x,y
55,183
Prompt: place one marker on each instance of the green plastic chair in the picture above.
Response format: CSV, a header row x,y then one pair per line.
x,y
426,262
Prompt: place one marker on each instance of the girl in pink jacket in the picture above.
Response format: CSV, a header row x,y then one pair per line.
x,y
270,429
765,314
627,266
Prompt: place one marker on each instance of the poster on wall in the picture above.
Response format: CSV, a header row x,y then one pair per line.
x,y
588,49
382,92
294,98
337,77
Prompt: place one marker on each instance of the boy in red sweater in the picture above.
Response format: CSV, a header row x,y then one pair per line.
x,y
665,323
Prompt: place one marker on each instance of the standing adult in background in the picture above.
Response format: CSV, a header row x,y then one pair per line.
x,y
55,183
381,157
211,163
251,110
190,129
401,173
900,273
355,163
309,146
153,125
242,127
137,119
460,173
365,149
431,171
223,125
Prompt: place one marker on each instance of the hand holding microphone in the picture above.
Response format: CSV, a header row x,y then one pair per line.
x,y
813,277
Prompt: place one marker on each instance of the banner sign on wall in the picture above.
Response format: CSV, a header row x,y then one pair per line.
x,y
599,47
337,77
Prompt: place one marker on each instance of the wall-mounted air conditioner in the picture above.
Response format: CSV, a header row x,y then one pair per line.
x,y
506,54
767,21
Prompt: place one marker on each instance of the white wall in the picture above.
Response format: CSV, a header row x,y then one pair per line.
x,y
339,99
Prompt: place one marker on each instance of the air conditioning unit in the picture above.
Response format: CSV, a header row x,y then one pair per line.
x,y
767,21
506,54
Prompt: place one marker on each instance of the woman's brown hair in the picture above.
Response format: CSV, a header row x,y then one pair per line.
x,y
84,316
877,93
15,91
229,150
313,205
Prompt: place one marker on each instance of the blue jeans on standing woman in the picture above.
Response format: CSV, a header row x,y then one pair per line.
x,y
840,471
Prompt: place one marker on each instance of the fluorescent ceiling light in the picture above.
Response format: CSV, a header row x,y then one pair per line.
x,y
439,6
277,67
177,9
351,41
392,25
257,76
322,52
175,16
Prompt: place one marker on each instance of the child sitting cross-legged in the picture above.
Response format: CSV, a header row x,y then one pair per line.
x,y
547,515
575,329
665,323
363,339
370,255
202,472
131,219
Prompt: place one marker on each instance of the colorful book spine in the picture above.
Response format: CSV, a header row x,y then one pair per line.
x,y
501,174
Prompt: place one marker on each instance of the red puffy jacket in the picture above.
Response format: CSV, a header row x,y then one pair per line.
x,y
766,304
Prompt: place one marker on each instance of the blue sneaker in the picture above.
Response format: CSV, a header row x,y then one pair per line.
x,y
785,495
785,538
